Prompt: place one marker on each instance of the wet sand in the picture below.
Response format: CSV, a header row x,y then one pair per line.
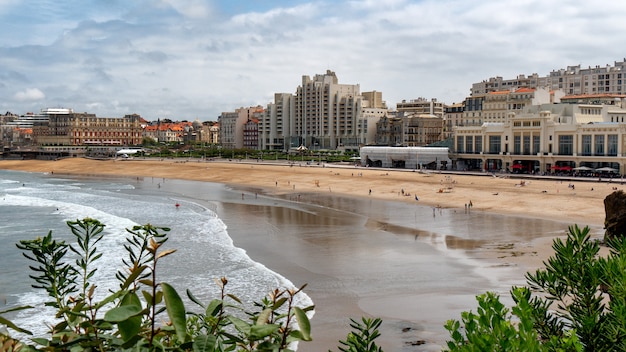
x,y
412,263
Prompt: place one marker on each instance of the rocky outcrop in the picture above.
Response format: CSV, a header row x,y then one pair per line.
x,y
615,210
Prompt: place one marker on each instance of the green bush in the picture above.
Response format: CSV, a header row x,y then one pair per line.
x,y
127,318
576,303
579,304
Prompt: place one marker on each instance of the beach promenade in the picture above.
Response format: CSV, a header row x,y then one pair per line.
x,y
567,201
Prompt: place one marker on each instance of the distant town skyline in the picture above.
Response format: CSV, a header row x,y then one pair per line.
x,y
193,59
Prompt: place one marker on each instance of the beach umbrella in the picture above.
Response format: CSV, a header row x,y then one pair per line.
x,y
583,168
606,169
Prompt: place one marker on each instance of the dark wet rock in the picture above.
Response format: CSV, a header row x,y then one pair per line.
x,y
416,343
615,210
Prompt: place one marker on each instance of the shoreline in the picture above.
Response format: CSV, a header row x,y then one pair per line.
x,y
304,184
537,198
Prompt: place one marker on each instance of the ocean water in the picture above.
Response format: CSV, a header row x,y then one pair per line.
x,y
32,204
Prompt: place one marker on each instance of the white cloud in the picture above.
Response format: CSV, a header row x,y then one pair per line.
x,y
179,57
30,94
196,9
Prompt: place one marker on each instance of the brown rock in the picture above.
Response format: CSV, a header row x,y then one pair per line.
x,y
615,210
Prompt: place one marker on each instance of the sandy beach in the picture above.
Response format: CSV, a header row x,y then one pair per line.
x,y
571,202
547,199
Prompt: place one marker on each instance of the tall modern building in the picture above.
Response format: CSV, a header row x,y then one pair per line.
x,y
322,114
326,113
276,123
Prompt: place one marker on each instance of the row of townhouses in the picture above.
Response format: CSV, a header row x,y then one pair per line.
x,y
569,120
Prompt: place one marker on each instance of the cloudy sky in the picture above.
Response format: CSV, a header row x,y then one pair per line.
x,y
188,59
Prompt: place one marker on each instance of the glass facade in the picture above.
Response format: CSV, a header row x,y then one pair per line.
x,y
536,144
495,144
599,145
469,141
566,144
526,145
612,145
586,145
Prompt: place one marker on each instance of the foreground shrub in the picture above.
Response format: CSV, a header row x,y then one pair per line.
x,y
127,319
579,304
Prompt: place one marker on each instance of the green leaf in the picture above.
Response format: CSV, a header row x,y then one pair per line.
x,y
131,326
14,309
175,310
279,303
10,324
133,276
122,313
109,299
214,307
303,323
264,316
234,298
204,343
194,299
241,325
259,332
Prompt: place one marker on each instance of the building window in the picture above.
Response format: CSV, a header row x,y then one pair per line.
x,y
459,144
566,145
495,144
599,145
612,145
469,141
526,145
586,141
536,144
478,144
517,145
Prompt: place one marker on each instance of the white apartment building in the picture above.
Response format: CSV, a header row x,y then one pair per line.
x,y
495,106
421,106
326,113
572,80
276,123
548,138
323,114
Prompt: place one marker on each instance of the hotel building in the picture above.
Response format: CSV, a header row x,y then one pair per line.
x,y
67,128
547,138
322,114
